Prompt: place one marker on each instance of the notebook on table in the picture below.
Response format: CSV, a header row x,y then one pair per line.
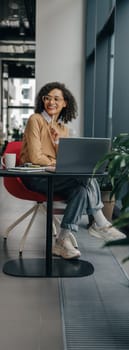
x,y
27,169
80,154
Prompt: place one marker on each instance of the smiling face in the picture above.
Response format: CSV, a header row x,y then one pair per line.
x,y
54,102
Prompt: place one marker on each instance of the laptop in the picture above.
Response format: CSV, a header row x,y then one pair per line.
x,y
80,155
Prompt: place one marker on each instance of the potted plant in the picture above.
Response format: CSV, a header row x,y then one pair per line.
x,y
118,169
118,177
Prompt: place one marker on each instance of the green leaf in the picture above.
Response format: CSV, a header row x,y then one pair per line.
x,y
121,222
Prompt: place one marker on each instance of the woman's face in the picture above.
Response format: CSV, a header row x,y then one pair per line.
x,y
54,102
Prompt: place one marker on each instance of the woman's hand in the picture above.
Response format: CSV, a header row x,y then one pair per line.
x,y
54,133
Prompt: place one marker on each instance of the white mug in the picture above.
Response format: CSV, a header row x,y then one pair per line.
x,y
8,160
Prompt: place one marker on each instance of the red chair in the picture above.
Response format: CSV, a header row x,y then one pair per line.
x,y
16,188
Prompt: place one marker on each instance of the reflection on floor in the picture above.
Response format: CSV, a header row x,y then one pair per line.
x,y
30,315
64,314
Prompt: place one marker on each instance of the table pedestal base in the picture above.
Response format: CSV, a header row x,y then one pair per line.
x,y
36,267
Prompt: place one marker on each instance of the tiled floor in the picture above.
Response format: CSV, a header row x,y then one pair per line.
x,y
30,314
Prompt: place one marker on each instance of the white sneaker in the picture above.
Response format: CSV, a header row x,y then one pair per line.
x,y
64,248
109,233
73,240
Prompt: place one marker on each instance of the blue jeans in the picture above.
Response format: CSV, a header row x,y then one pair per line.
x,y
82,196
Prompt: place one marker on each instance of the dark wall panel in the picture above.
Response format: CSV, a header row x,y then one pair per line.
x,y
103,10
90,28
121,82
101,89
89,99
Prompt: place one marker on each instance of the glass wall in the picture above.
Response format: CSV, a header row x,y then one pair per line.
x,y
18,97
107,68
99,68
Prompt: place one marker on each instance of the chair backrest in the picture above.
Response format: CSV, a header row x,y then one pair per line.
x,y
15,186
14,147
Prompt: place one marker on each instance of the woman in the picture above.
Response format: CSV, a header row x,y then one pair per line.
x,y
55,107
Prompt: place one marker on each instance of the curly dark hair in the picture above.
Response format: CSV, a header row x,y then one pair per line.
x,y
69,112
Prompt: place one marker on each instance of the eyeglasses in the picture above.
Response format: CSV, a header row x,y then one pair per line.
x,y
48,98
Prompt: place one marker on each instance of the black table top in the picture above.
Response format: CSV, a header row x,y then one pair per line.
x,y
19,173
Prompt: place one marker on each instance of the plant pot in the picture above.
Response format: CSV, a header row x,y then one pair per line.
x,y
108,204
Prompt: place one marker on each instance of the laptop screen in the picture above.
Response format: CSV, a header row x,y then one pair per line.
x,y
81,154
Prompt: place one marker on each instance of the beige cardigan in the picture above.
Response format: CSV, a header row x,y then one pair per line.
x,y
38,146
